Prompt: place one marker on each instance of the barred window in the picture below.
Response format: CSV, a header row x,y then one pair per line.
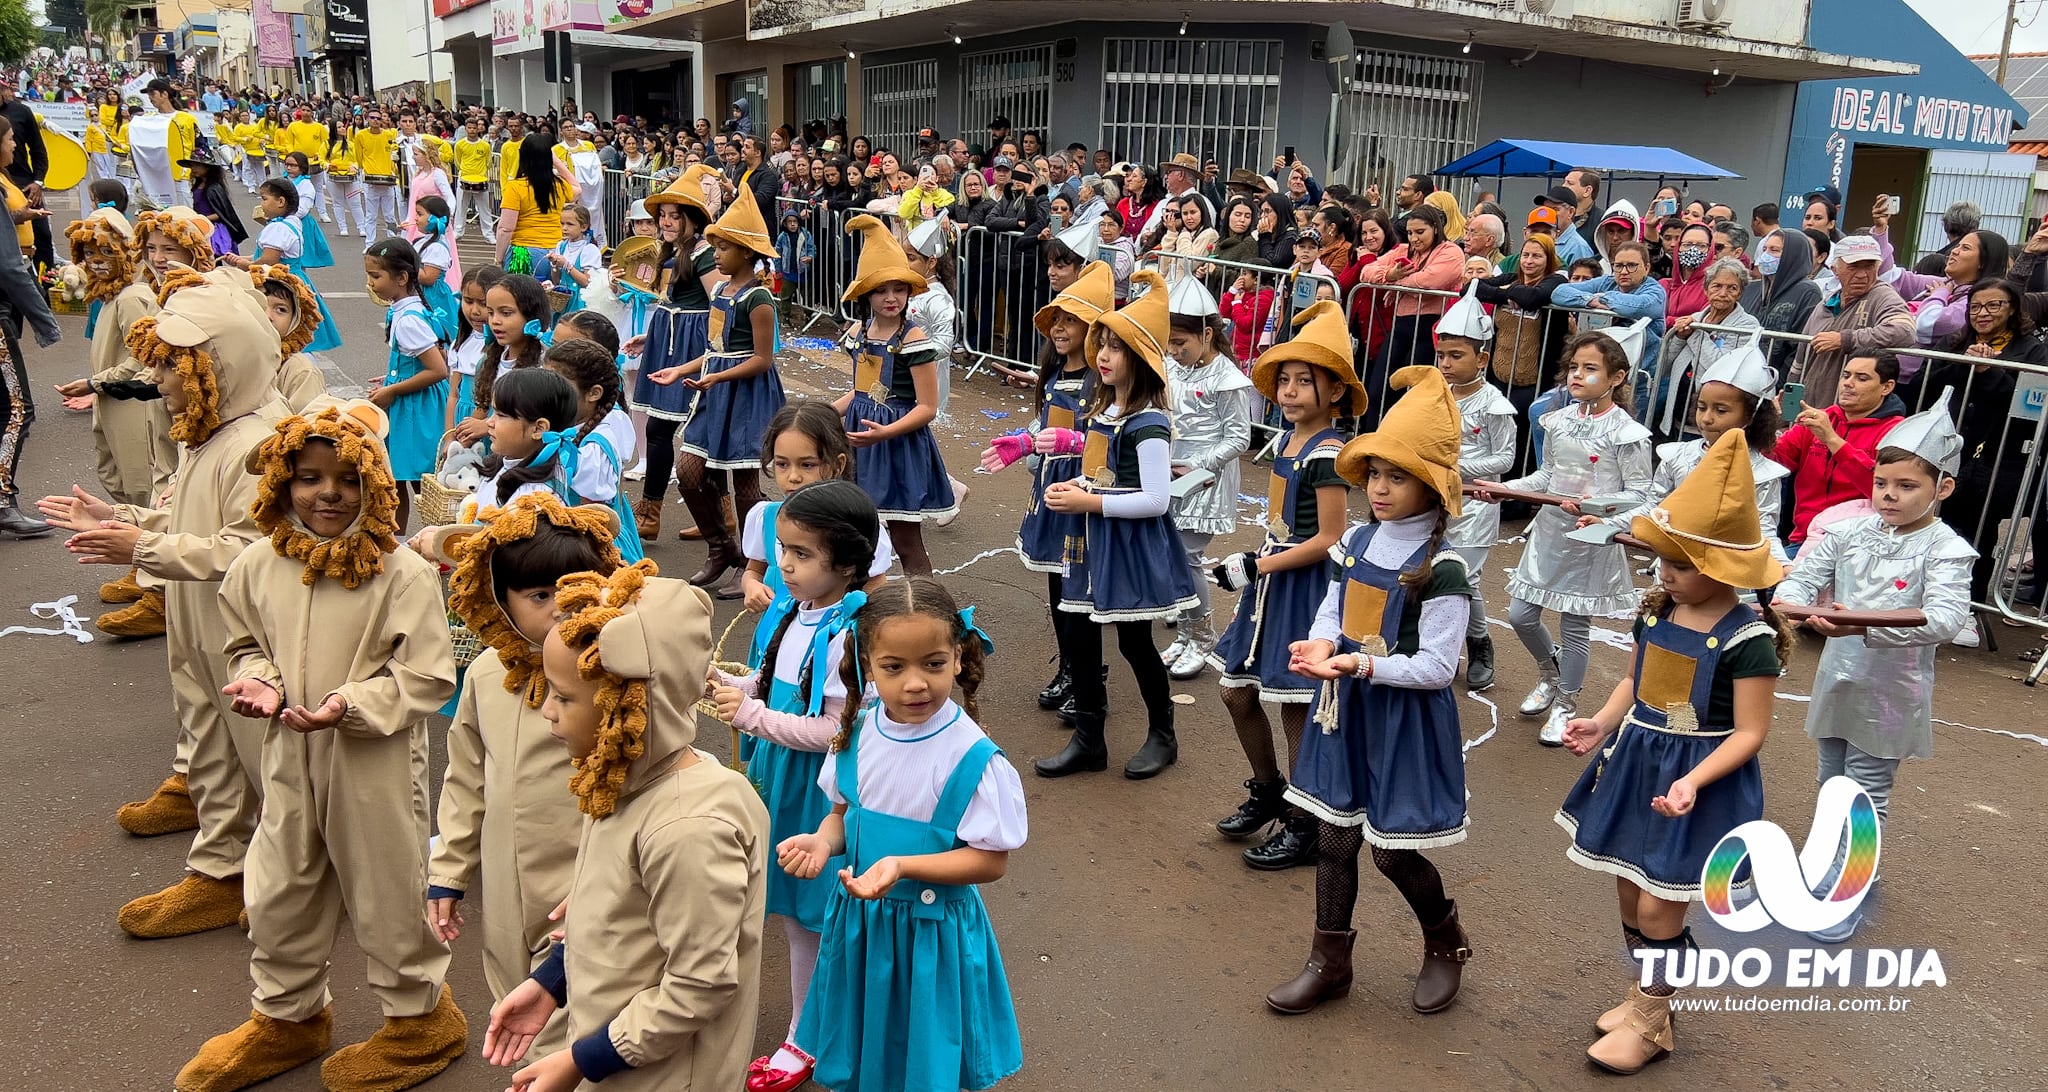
x,y
1215,99
1011,83
820,91
1403,114
901,99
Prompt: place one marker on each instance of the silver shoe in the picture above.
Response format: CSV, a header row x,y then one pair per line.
x,y
1173,652
1191,664
1546,690
1561,714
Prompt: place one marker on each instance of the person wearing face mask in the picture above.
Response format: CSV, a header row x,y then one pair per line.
x,y
1783,294
1685,290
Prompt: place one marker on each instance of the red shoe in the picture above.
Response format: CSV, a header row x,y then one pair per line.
x,y
762,1077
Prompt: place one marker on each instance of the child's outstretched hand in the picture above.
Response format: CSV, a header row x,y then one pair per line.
x,y
1304,656
110,543
875,882
1677,800
634,345
253,698
1006,449
300,719
1831,629
1582,734
555,1073
803,855
666,376
445,915
516,1021
728,699
80,511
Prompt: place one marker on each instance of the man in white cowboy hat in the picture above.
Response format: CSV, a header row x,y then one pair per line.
x,y
1183,176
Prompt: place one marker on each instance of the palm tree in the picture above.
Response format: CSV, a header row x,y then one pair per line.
x,y
102,17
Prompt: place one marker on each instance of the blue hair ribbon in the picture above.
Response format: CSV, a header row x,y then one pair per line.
x,y
557,444
437,225
988,647
107,205
839,621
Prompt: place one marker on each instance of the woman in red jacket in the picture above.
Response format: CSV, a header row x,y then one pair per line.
x,y
1685,290
1832,452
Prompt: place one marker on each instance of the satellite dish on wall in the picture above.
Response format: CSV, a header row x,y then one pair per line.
x,y
1539,7
1339,51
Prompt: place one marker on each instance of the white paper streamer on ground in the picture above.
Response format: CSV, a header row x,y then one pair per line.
x,y
982,556
74,626
1493,711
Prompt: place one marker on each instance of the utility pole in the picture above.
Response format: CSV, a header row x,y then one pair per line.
x,y
2012,15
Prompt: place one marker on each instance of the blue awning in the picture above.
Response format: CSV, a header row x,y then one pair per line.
x,y
1554,159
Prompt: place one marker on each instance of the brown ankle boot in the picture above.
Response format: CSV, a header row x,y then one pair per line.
x,y
1643,1037
168,810
258,1050
1444,952
724,554
142,618
124,590
406,1051
1326,976
647,519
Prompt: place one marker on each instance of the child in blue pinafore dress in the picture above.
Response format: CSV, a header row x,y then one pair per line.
x,y
678,331
895,397
910,994
298,170
472,337
595,458
1678,740
576,257
1066,384
1383,761
282,242
440,268
1127,568
1310,378
414,393
805,443
738,392
792,706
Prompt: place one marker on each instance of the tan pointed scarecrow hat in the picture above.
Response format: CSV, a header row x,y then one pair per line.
x,y
742,226
1091,296
1711,520
1321,341
881,260
1143,324
1419,434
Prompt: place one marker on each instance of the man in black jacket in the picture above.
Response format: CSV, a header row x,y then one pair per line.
x,y
1009,261
31,163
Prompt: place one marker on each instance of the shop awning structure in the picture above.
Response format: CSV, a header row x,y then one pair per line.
x,y
1556,158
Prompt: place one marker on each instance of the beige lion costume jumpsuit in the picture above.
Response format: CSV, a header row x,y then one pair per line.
x,y
505,800
663,955
225,354
105,246
344,823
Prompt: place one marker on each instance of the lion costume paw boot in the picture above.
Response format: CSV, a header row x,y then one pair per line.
x,y
260,1049
142,618
195,904
406,1051
167,811
124,590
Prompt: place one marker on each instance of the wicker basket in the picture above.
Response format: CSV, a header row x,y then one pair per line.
x,y
558,301
731,667
438,503
64,306
468,646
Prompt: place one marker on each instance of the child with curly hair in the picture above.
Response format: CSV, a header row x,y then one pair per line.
x,y
660,971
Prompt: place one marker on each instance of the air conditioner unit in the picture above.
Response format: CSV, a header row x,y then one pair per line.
x,y
1702,15
1556,9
